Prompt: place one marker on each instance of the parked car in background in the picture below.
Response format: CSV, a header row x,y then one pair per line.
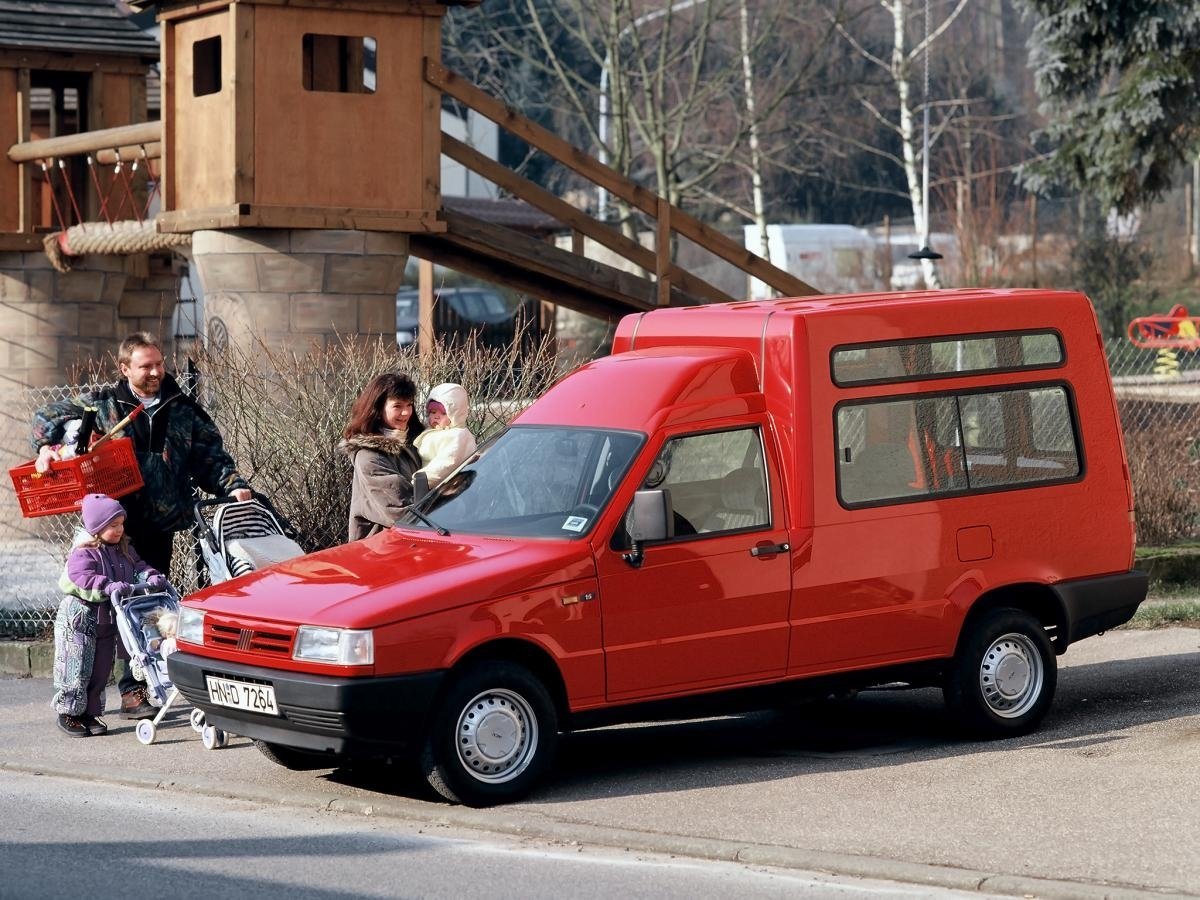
x,y
466,313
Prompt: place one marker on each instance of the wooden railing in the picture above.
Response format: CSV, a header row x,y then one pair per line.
x,y
128,139
668,218
67,153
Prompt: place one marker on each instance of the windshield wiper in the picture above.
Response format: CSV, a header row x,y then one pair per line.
x,y
412,510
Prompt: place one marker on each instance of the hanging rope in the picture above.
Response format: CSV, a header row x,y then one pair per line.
x,y
120,238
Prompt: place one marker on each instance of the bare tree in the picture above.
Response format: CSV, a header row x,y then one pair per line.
x,y
914,30
680,95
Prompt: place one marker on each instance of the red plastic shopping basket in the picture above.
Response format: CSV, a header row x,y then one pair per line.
x,y
109,469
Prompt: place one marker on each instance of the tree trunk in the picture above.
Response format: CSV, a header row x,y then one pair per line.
x,y
900,76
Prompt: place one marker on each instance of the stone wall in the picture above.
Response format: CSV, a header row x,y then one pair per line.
x,y
54,327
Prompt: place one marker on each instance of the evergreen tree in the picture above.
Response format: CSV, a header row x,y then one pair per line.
x,y
1118,80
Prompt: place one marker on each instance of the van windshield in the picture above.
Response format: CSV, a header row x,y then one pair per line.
x,y
532,481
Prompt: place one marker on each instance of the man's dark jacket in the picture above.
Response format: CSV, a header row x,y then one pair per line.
x,y
177,444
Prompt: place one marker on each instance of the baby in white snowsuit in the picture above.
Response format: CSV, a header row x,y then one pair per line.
x,y
446,443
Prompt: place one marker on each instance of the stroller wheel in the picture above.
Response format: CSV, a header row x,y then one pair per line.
x,y
145,731
197,720
212,737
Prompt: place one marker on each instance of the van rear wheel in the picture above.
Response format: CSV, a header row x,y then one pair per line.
x,y
1002,679
492,737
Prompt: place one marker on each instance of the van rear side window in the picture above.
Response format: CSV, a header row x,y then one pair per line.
x,y
885,362
919,447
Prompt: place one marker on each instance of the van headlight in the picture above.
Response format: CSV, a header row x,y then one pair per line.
x,y
191,625
339,646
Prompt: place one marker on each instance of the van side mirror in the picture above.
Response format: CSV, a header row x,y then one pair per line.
x,y
650,518
420,485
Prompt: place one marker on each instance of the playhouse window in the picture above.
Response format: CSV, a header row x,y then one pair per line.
x,y
206,67
342,64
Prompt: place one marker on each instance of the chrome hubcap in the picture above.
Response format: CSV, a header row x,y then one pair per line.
x,y
1011,675
497,736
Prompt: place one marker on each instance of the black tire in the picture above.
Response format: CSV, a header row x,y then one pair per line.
x,y
466,765
1002,679
297,760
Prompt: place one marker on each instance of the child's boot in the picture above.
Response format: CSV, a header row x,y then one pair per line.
x,y
94,725
73,726
135,706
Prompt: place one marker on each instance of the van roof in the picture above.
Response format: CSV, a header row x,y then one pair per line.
x,y
846,317
826,301
818,303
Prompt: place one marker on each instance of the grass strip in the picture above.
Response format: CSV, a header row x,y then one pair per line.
x,y
1166,613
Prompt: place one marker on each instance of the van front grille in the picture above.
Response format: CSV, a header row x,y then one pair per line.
x,y
264,641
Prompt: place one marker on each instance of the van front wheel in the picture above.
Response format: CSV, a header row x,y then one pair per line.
x,y
492,737
1003,677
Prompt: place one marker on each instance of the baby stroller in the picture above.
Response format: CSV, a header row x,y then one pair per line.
x,y
137,615
239,536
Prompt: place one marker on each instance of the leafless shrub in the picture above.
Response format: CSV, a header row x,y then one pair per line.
x,y
1164,465
282,412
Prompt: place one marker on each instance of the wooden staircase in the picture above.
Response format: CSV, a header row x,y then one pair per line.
x,y
567,277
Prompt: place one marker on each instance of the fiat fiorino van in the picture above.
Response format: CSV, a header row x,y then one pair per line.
x,y
743,502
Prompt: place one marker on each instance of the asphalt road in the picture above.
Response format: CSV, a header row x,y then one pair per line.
x,y
121,842
1103,801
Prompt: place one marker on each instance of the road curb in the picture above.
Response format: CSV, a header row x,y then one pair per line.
x,y
536,825
27,659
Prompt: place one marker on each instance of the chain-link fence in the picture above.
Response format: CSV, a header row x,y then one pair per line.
x,y
1158,392
33,551
281,415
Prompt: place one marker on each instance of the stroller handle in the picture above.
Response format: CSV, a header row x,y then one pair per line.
x,y
206,530
141,589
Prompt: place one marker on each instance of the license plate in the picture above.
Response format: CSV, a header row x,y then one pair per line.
x,y
258,698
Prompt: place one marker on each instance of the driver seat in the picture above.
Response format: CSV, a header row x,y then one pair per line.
x,y
743,502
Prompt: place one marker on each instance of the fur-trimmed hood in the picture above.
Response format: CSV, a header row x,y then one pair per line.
x,y
378,442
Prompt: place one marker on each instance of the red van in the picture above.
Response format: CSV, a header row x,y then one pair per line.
x,y
744,502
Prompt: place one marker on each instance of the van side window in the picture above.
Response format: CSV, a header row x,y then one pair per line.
x,y
903,448
887,362
717,481
918,447
998,455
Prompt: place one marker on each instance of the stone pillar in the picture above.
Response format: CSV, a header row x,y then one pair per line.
x,y
298,289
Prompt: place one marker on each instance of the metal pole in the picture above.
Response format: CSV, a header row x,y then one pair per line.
x,y
925,138
1195,248
925,253
1033,235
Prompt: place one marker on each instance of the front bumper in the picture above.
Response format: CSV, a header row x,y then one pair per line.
x,y
1093,605
370,716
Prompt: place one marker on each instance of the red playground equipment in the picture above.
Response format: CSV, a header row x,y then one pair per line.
x,y
1174,331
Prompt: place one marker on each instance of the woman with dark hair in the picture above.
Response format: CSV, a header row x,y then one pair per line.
x,y
378,439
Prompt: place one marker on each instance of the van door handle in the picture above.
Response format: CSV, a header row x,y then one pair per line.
x,y
769,549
